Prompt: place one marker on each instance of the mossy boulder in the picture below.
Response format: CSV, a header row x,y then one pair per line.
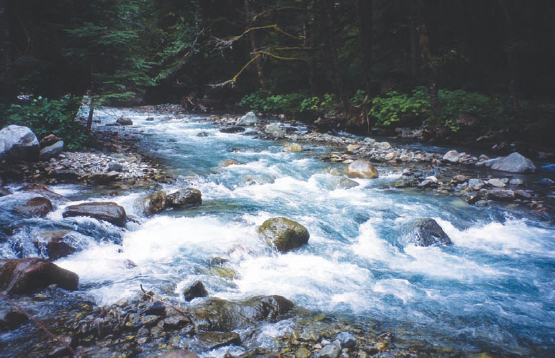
x,y
361,169
284,234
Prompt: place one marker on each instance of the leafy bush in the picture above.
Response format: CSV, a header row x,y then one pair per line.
x,y
395,107
488,111
46,116
264,101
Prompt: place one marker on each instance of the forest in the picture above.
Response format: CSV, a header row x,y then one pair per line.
x,y
459,69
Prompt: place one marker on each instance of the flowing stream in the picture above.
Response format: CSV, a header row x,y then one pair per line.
x,y
493,290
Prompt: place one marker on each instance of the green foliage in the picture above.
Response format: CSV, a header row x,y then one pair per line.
x,y
46,116
294,102
489,112
395,107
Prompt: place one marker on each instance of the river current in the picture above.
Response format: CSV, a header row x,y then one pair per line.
x,y
493,290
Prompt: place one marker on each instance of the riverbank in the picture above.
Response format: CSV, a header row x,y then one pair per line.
x,y
133,328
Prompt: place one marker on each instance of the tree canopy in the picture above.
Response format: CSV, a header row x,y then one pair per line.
x,y
363,62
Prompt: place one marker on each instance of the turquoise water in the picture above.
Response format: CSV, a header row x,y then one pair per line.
x,y
493,290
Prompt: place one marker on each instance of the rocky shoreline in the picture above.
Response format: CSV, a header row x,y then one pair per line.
x,y
154,324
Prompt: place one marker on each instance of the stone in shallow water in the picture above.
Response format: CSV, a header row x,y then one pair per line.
x,y
195,290
514,163
29,275
107,211
361,169
284,234
427,232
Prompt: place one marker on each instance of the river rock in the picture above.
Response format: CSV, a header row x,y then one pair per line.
x,y
500,195
49,140
35,207
248,119
58,243
101,177
155,203
346,339
212,340
51,151
43,190
293,148
29,275
284,234
452,156
361,169
10,319
382,145
476,184
498,183
232,129
514,163
330,351
124,121
185,198
216,314
195,290
182,353
107,211
346,183
427,232
274,129
18,143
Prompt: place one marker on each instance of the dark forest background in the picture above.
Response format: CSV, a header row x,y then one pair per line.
x,y
458,68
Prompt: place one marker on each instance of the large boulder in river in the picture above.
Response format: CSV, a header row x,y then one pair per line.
x,y
18,143
184,198
284,234
216,314
361,169
29,275
514,163
155,203
107,211
427,232
35,207
248,119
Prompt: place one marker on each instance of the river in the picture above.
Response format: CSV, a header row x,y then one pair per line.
x,y
493,290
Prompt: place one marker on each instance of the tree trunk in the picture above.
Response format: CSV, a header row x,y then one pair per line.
x,y
365,10
428,68
91,115
249,11
414,39
329,23
308,44
5,50
511,57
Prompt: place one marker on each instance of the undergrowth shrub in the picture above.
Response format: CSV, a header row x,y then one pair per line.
x,y
45,116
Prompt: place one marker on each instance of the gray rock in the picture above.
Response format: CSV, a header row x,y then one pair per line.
x,y
330,351
248,119
49,140
361,169
29,275
284,234
452,156
107,211
346,339
514,163
213,340
475,184
274,129
496,183
115,167
124,121
52,151
185,198
232,129
427,232
18,143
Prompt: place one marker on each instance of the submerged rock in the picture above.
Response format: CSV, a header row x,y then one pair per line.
x,y
284,234
11,319
35,207
58,243
427,232
107,211
361,169
514,163
220,315
213,340
29,275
